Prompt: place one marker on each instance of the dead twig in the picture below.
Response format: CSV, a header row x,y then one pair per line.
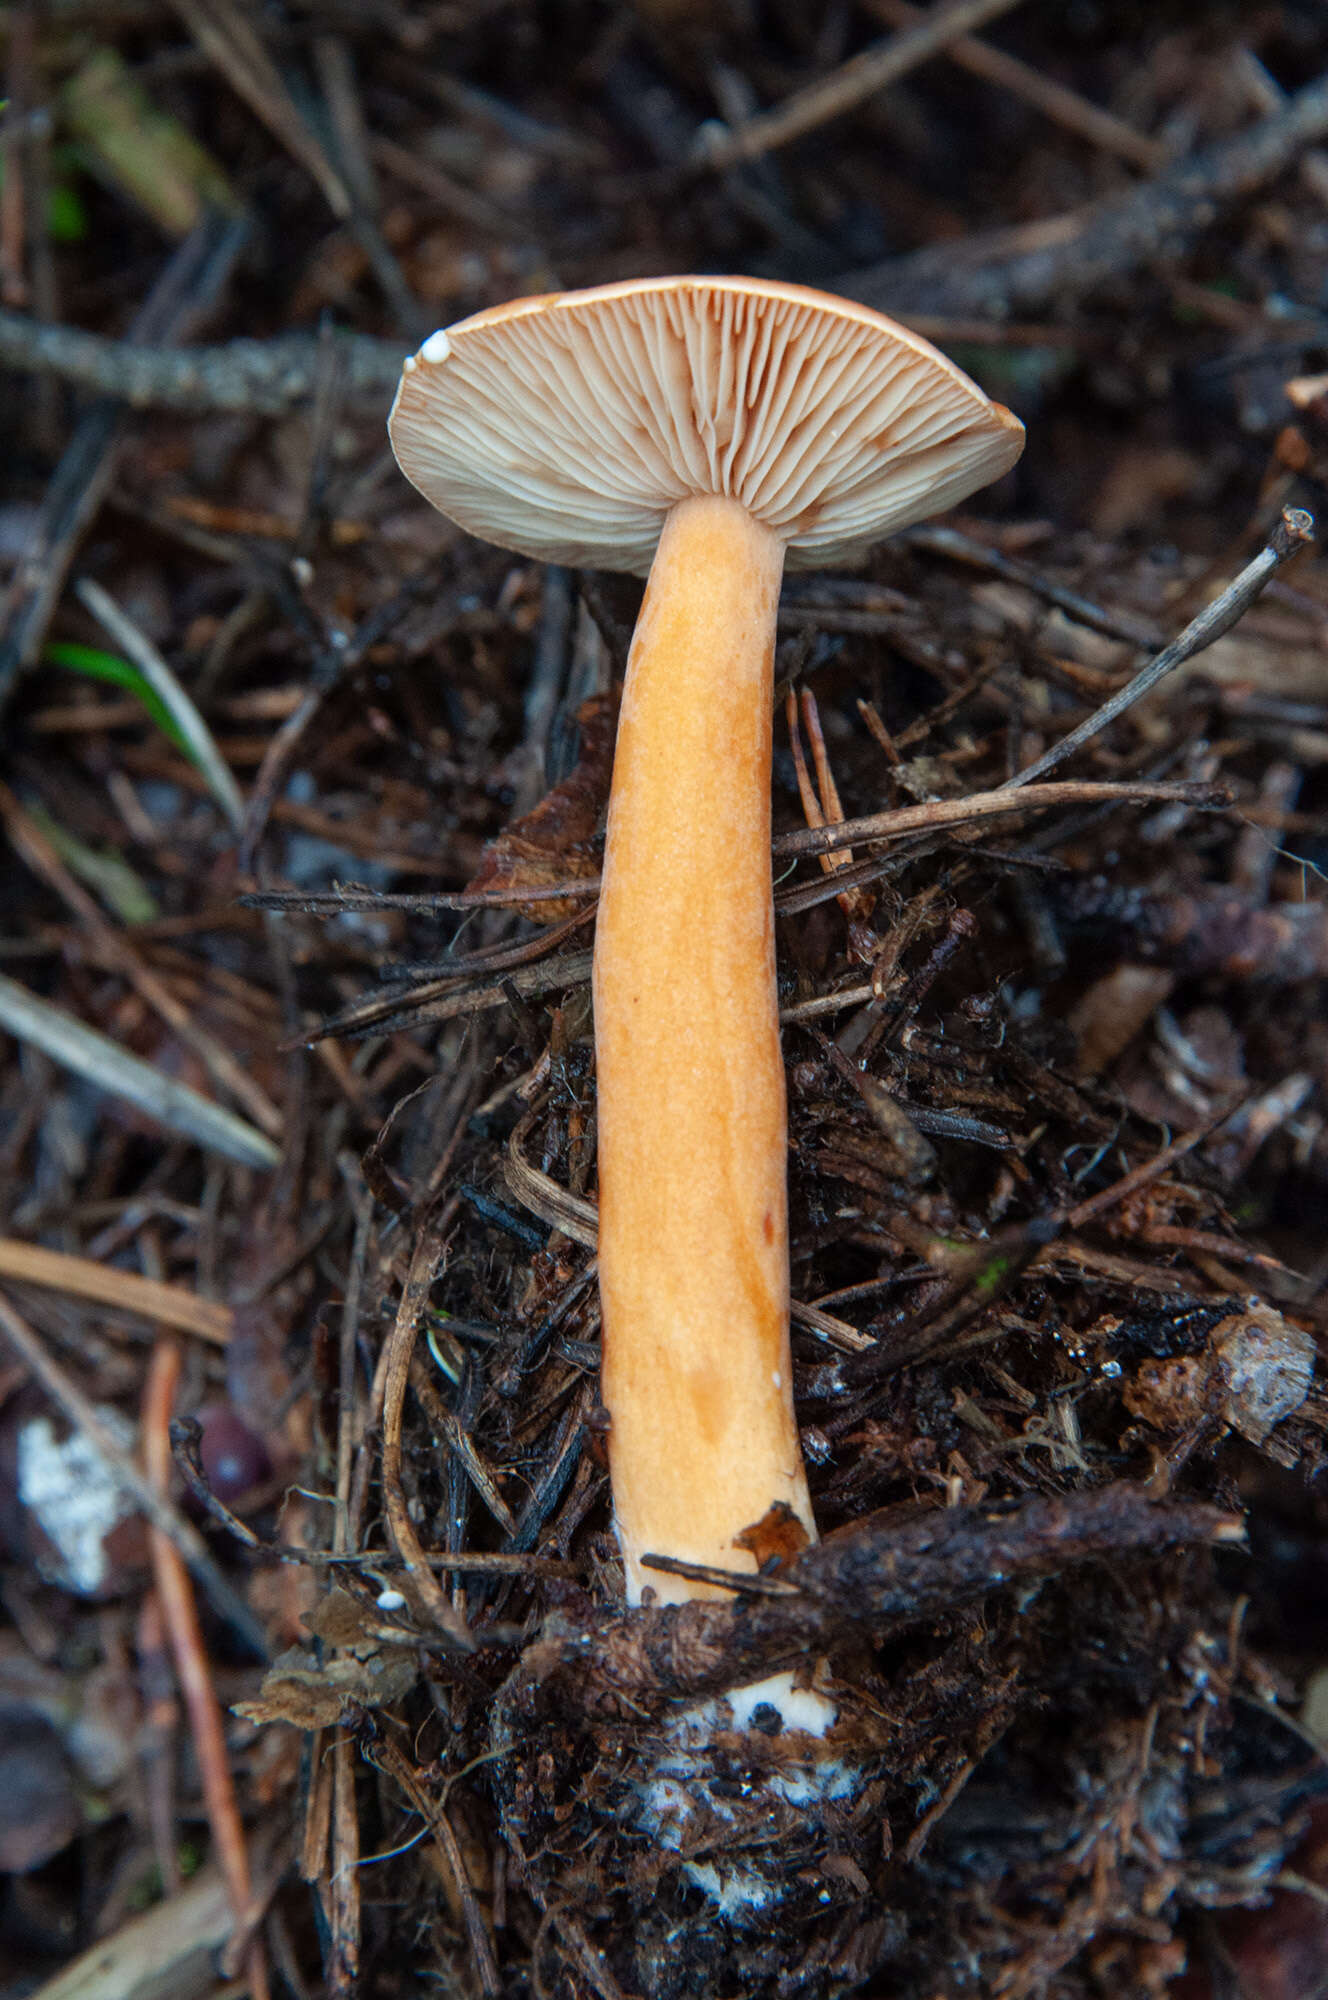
x,y
229,40
173,1949
343,1888
263,376
195,732
120,956
176,1596
432,1607
1065,108
1018,273
1294,532
111,1068
380,1751
938,813
875,1578
846,87
943,540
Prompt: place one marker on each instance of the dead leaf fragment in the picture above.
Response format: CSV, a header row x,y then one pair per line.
x,y
311,1696
557,841
777,1537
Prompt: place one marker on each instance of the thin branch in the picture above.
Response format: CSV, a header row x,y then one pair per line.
x,y
432,1606
1065,108
262,377
1019,273
115,952
176,1595
1294,532
872,1578
934,814
846,87
229,40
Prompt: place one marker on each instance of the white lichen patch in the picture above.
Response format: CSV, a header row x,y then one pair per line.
x,y
75,1498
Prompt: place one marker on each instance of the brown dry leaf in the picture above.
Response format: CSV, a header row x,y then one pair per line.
x,y
556,842
339,1619
298,1691
777,1537
362,1672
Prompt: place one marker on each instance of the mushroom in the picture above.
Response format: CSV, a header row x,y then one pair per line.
x,y
706,431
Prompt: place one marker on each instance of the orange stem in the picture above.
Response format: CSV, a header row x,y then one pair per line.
x,y
693,1234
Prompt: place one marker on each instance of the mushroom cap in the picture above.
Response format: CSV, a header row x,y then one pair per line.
x,y
566,426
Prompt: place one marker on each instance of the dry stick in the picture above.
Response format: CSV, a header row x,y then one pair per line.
x,y
848,86
447,193
432,1606
160,1513
176,1596
343,1968
934,816
1295,531
1019,273
169,1951
1064,107
157,1736
873,1577
228,40
257,377
937,813
332,902
330,666
389,1759
946,541
345,115
361,1202
120,957
122,1291
462,1445
1143,1175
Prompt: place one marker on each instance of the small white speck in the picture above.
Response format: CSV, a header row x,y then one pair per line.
x,y
436,348
776,1378
390,1600
411,364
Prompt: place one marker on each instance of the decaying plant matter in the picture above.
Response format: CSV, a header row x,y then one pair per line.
x,y
304,798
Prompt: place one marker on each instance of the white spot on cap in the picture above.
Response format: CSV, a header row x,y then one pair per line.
x,y
776,1378
436,348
